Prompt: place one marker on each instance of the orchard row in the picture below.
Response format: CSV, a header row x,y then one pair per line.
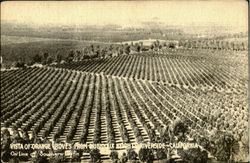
x,y
83,107
178,70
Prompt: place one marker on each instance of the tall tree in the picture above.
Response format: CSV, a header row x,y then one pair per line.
x,y
70,56
193,155
127,49
179,130
45,55
146,155
37,58
58,57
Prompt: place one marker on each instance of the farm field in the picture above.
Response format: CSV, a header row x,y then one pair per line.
x,y
124,82
243,39
6,40
195,71
13,48
126,99
100,89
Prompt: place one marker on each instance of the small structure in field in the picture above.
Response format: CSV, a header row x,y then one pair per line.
x,y
62,62
37,65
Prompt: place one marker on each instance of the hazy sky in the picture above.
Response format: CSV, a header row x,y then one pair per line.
x,y
126,13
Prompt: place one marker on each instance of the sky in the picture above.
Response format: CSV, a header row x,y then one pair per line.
x,y
126,13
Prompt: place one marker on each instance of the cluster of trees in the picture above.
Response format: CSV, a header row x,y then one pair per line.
x,y
213,44
97,51
149,155
144,155
200,44
157,45
193,155
222,145
44,59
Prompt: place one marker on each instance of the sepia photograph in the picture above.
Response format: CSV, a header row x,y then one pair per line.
x,y
124,81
